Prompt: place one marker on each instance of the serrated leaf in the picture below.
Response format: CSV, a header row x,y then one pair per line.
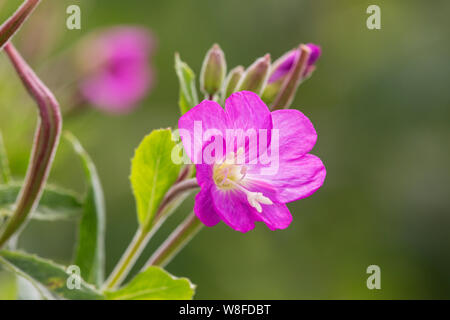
x,y
152,173
90,248
154,284
55,204
48,274
188,91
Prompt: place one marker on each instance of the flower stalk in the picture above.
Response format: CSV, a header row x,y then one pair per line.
x,y
45,144
10,27
5,174
172,199
176,241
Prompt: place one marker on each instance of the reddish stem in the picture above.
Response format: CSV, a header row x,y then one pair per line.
x,y
45,144
10,27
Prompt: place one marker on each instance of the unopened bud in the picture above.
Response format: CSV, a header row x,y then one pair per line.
x,y
213,71
280,71
316,52
290,85
255,77
232,81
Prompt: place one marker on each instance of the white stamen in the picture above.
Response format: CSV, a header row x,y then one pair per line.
x,y
252,200
264,200
228,174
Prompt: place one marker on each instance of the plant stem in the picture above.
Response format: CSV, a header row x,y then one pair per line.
x,y
128,259
172,199
177,189
10,27
176,241
5,173
45,144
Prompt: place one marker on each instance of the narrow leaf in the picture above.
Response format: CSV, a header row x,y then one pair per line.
x,y
188,92
50,275
91,235
154,284
152,173
55,204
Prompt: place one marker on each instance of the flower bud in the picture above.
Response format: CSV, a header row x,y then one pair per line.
x,y
283,69
255,77
213,71
280,71
287,92
316,52
231,81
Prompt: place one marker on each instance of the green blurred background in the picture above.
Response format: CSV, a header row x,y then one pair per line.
x,y
379,101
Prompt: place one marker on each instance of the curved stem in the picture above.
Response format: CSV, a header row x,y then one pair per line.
x,y
176,241
172,199
5,173
176,190
10,27
45,144
184,174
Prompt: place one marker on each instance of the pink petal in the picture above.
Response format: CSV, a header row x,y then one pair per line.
x,y
204,174
204,208
297,135
234,209
208,115
252,121
276,216
296,178
316,52
284,65
246,110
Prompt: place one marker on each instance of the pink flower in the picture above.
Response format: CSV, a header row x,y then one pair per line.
x,y
116,63
241,192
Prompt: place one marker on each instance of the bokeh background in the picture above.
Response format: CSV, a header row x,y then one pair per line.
x,y
379,101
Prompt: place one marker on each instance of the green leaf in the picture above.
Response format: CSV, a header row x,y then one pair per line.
x,y
154,284
152,174
188,92
55,204
48,274
5,173
91,235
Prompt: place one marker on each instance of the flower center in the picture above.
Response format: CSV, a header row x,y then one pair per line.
x,y
228,175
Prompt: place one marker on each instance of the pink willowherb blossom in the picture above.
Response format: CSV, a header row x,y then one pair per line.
x,y
117,70
243,192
